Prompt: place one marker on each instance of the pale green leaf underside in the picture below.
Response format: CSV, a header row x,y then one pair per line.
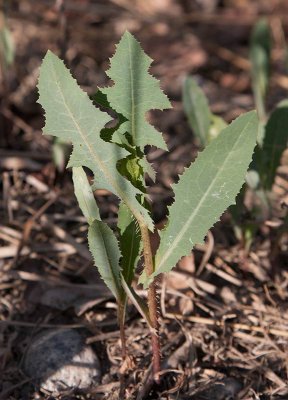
x,y
124,218
71,116
206,189
103,246
85,196
135,92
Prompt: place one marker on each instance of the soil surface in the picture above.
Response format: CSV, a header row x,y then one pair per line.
x,y
224,309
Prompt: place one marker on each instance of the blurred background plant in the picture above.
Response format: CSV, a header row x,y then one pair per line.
x,y
6,45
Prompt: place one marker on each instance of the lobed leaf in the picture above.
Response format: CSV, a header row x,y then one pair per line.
x,y
71,116
205,190
135,92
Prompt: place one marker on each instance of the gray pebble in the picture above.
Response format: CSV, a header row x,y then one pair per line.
x,y
60,360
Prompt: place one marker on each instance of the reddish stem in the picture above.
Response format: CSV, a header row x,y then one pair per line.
x,y
155,342
152,301
121,317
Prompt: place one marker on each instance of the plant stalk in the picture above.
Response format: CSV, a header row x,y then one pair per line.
x,y
121,323
152,301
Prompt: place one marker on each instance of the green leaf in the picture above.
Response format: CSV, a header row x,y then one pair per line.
x,y
197,109
274,143
103,246
148,168
135,92
110,134
71,116
129,241
7,48
132,170
237,211
205,190
60,153
101,99
260,49
124,218
85,196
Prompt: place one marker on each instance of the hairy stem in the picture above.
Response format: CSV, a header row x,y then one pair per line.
x,y
152,301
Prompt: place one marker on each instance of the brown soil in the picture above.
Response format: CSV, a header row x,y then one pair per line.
x,y
224,309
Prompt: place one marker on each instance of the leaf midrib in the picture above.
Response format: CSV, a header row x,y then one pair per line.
x,y
194,213
105,171
133,128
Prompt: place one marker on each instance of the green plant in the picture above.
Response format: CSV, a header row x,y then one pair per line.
x,y
272,140
7,53
272,137
117,160
260,53
205,125
6,44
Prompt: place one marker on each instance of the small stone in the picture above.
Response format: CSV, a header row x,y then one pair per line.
x,y
60,360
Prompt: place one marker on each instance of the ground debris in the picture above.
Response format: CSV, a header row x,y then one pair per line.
x,y
224,309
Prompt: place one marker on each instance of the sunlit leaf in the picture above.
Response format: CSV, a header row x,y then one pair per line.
x,y
71,116
103,246
205,190
135,92
85,196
